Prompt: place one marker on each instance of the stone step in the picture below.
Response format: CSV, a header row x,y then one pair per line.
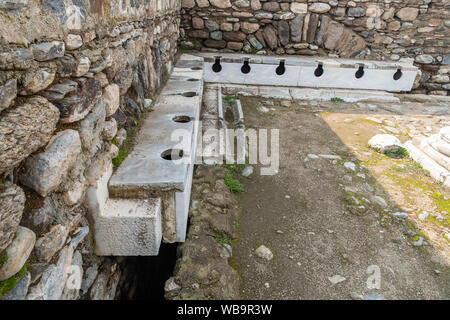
x,y
436,171
301,72
425,144
123,227
129,227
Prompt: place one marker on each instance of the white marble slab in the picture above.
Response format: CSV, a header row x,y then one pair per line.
x,y
338,73
123,227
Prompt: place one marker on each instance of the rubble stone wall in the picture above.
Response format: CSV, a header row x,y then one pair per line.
x,y
75,77
381,30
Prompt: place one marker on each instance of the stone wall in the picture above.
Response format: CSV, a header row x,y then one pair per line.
x,y
75,77
380,30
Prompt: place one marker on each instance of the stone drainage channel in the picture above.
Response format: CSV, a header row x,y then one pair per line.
x,y
141,210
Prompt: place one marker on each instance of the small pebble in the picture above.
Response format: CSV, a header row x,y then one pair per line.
x,y
248,171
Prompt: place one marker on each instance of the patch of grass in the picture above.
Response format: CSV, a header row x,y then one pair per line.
x,y
235,168
398,154
235,265
415,166
114,142
233,184
119,159
9,284
336,99
223,239
441,201
411,186
236,224
231,100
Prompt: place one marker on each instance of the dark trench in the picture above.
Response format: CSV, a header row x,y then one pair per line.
x,y
146,276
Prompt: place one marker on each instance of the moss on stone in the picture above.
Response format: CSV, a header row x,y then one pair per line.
x,y
235,265
119,159
9,284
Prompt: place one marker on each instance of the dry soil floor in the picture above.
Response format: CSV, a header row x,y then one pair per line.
x,y
327,227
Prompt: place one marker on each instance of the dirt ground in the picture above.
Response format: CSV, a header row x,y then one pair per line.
x,y
325,223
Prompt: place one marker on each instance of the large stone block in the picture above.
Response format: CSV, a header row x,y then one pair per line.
x,y
8,93
51,242
385,142
111,96
45,171
283,32
25,129
297,28
407,14
129,227
54,278
123,227
76,107
58,91
48,50
12,200
270,37
222,4
37,80
333,35
18,252
91,128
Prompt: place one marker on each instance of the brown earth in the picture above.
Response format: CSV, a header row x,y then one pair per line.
x,y
307,215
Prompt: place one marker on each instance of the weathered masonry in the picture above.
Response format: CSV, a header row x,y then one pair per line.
x,y
378,30
90,94
76,77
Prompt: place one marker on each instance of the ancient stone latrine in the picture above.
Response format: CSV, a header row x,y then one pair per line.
x,y
77,77
378,30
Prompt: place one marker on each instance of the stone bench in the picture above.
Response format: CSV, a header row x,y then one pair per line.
x,y
296,71
147,198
